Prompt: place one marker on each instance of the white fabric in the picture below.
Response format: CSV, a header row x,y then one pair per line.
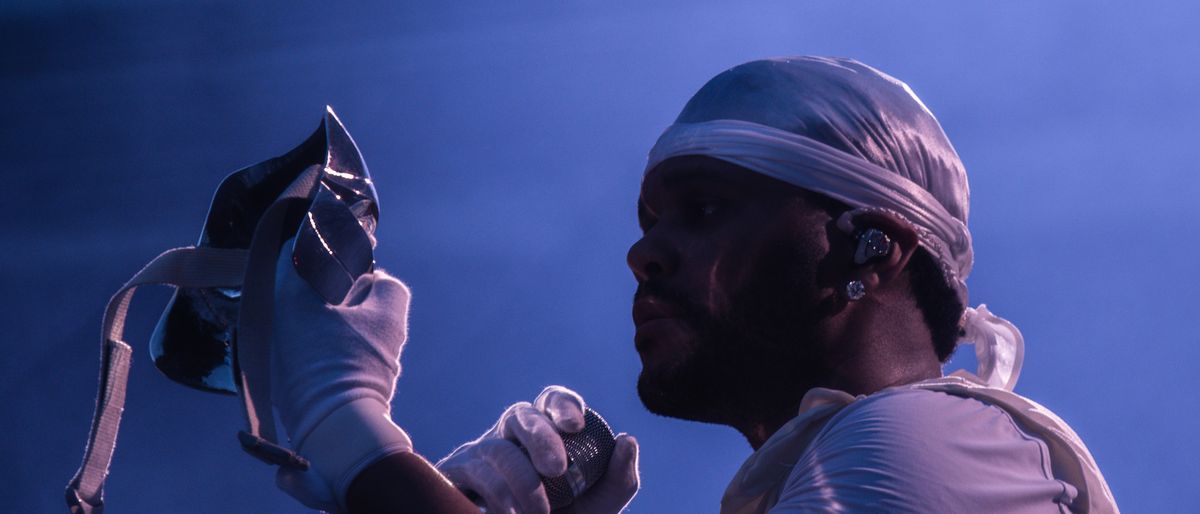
x,y
941,445
506,479
253,351
999,347
333,374
866,187
815,166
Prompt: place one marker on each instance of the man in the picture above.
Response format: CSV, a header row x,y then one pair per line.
x,y
801,278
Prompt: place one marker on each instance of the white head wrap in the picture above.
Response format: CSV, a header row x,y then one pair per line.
x,y
893,158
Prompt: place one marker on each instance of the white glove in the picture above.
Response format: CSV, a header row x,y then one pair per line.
x,y
509,481
333,373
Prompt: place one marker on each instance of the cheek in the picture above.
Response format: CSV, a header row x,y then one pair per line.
x,y
722,272
777,273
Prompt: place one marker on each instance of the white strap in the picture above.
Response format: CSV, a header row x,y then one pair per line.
x,y
181,267
254,324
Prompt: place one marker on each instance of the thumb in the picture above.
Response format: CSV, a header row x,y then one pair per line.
x,y
377,292
388,292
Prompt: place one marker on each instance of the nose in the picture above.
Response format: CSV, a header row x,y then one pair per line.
x,y
649,257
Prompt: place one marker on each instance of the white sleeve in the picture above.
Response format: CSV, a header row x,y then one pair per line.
x,y
913,450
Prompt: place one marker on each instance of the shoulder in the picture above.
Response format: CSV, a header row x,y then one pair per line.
x,y
910,449
901,414
941,434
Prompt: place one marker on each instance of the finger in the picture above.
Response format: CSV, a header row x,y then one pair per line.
x,y
532,429
524,485
618,485
563,406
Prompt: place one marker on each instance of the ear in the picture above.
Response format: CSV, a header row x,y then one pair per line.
x,y
879,272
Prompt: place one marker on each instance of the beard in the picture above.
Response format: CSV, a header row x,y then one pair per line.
x,y
752,361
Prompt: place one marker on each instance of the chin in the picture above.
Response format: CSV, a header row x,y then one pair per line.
x,y
677,394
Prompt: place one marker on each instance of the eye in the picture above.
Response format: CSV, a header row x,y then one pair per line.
x,y
645,219
702,209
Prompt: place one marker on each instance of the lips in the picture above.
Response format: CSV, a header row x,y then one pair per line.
x,y
660,329
649,309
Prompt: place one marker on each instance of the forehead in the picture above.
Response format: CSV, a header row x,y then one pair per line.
x,y
684,173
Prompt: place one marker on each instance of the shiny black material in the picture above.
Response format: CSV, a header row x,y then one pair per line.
x,y
194,340
332,249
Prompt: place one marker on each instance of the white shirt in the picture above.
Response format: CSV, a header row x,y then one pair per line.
x,y
942,445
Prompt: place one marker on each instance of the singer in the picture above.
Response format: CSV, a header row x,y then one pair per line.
x,y
801,277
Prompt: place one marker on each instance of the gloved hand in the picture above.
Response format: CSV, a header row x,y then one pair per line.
x,y
333,373
509,481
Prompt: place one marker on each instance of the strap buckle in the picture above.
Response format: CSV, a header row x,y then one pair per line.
x,y
271,453
78,505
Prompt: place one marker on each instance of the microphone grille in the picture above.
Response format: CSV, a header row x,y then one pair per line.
x,y
588,453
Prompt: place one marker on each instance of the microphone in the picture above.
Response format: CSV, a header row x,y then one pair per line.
x,y
588,453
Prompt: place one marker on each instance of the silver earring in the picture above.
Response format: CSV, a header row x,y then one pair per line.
x,y
855,290
872,243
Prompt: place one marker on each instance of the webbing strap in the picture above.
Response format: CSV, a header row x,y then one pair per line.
x,y
181,267
254,325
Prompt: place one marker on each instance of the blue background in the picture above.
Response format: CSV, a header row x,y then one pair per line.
x,y
507,141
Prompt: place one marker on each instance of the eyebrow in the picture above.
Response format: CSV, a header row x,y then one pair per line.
x,y
674,177
677,178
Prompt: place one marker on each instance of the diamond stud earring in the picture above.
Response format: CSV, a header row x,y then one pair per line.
x,y
855,290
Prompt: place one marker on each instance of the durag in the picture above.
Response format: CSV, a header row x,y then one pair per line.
x,y
883,152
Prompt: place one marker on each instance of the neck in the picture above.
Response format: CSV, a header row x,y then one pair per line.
x,y
881,343
757,433
876,348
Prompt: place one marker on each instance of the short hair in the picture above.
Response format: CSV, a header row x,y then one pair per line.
x,y
938,302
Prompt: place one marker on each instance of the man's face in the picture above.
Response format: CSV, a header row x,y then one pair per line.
x,y
730,297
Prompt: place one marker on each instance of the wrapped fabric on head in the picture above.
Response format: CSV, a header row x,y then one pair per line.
x,y
891,157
